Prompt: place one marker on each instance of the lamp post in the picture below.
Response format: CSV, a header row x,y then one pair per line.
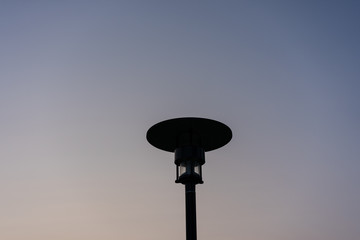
x,y
189,138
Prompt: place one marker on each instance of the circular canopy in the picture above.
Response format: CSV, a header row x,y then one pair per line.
x,y
213,134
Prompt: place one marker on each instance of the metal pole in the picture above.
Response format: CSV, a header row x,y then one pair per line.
x,y
190,211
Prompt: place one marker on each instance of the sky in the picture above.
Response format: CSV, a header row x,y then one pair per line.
x,y
82,81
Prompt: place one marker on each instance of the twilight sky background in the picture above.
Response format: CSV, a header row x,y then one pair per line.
x,y
82,81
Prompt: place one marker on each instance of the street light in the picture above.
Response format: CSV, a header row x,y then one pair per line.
x,y
189,138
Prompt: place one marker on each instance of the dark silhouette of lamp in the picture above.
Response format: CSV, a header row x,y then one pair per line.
x,y
189,138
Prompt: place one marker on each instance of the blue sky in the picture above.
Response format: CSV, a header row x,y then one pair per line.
x,y
82,81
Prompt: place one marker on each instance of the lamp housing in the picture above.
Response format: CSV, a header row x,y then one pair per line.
x,y
189,160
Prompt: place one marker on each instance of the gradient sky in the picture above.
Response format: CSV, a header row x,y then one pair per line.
x,y
82,81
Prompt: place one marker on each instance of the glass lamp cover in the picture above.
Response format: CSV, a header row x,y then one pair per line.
x,y
189,168
197,169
